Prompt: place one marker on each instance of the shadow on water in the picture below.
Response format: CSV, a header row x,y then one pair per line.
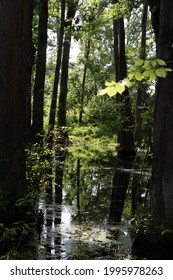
x,y
87,215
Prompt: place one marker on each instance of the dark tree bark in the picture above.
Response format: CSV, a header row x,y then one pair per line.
x,y
15,42
65,64
57,70
28,96
141,88
162,172
155,17
125,136
38,99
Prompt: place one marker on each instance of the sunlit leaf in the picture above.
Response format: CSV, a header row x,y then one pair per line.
x,y
102,92
161,62
111,91
160,72
152,77
147,73
168,69
131,75
154,63
139,62
126,82
110,84
138,76
146,64
120,88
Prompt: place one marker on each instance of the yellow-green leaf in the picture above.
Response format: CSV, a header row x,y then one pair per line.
x,y
102,92
152,77
138,76
126,82
161,62
111,91
131,75
154,63
120,88
110,84
160,72
139,62
147,73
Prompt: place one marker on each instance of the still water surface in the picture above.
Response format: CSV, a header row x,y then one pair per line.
x,y
88,214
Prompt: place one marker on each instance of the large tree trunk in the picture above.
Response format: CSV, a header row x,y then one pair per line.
x,y
29,92
125,136
38,99
15,24
162,173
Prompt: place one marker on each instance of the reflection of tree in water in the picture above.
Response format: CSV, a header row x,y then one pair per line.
x,y
88,187
119,188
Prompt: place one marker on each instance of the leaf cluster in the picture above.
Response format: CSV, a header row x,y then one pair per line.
x,y
141,71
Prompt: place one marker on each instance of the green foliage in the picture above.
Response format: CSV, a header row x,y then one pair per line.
x,y
96,148
146,71
37,164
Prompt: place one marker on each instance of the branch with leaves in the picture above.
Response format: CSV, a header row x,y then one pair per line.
x,y
142,70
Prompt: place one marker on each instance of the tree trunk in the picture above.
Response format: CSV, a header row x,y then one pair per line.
x,y
28,96
57,70
141,88
162,172
155,18
83,81
15,24
125,136
38,99
65,64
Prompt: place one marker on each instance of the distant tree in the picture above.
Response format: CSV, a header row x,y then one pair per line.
x,y
15,42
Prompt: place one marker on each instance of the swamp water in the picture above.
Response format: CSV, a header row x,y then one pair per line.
x,y
88,214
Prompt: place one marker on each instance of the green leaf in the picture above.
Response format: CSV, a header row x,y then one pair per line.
x,y
139,62
146,64
110,84
102,92
111,91
147,73
161,62
161,72
120,88
131,75
154,63
138,76
152,77
168,69
126,82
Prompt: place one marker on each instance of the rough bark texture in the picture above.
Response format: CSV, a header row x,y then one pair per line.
x,y
14,46
38,100
162,173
